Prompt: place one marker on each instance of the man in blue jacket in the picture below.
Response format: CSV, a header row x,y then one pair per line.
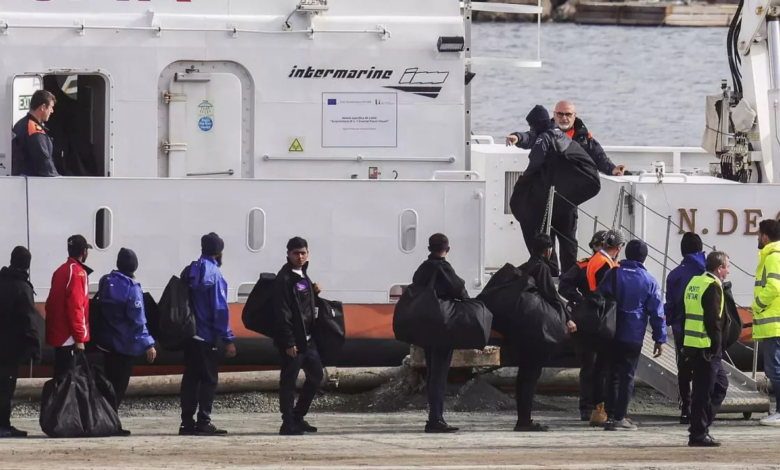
x,y
692,265
212,319
122,334
638,299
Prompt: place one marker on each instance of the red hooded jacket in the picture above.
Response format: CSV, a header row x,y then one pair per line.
x,y
67,308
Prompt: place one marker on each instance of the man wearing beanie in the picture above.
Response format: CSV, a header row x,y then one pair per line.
x,y
692,265
122,334
638,300
19,338
212,323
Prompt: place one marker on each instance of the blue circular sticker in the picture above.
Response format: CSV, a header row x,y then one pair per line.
x,y
205,124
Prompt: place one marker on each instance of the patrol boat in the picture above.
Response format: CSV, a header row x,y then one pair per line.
x,y
346,122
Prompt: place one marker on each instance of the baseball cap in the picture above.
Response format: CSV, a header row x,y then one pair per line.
x,y
77,244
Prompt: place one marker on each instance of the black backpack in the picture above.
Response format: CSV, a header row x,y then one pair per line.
x,y
176,315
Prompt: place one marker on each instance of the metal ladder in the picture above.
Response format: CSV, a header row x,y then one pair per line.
x,y
660,373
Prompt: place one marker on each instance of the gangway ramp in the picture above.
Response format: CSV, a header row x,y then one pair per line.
x,y
660,373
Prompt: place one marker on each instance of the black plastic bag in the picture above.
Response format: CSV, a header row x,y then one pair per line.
x,y
152,312
77,406
329,331
596,315
258,314
520,313
422,319
177,319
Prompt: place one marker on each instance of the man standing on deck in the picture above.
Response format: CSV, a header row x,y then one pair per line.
x,y
31,149
565,116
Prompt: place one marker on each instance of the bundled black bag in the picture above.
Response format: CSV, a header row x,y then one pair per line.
x,y
258,314
422,319
734,324
520,313
176,315
77,406
152,312
330,331
596,315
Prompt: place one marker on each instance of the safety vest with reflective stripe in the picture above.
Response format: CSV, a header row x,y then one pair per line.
x,y
695,333
766,293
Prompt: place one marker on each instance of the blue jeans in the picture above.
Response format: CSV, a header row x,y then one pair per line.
x,y
771,347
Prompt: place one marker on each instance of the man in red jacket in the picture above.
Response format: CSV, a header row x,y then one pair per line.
x,y
67,308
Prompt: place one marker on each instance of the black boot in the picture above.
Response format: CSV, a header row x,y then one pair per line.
x,y
303,424
290,428
439,427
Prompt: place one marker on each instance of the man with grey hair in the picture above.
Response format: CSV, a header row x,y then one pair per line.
x,y
565,117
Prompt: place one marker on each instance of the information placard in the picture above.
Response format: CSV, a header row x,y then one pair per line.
x,y
365,120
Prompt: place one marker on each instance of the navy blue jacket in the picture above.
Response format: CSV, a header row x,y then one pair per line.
x,y
676,283
209,294
639,299
31,149
124,320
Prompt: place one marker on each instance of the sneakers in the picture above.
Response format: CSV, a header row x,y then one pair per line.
x,y
208,429
439,427
530,427
187,429
706,441
772,420
598,418
622,425
291,429
11,432
303,424
200,429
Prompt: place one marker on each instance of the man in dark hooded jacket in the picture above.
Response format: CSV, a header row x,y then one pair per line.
x,y
693,265
19,331
554,160
448,286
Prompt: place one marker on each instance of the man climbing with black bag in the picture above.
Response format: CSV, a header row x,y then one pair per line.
x,y
554,160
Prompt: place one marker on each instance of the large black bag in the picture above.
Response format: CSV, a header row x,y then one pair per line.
x,y
520,313
422,319
258,314
330,330
81,405
574,174
734,324
152,311
596,315
177,319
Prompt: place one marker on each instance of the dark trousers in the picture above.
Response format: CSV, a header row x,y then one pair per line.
x,y
624,358
564,229
437,362
529,369
594,364
311,364
684,377
199,382
710,384
8,375
63,362
118,369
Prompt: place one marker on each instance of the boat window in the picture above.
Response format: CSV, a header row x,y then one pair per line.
x,y
255,236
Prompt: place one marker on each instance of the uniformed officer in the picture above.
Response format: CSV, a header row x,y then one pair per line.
x,y
704,325
31,151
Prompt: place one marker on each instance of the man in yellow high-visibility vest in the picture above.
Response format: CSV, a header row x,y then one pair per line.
x,y
766,307
704,324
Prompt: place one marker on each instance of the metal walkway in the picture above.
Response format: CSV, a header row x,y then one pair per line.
x,y
661,374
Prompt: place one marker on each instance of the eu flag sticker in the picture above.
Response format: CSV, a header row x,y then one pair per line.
x,y
331,101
